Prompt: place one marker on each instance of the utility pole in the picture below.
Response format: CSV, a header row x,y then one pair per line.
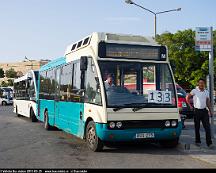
x,y
211,80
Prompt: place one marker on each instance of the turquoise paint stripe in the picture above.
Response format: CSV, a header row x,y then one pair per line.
x,y
130,135
54,63
68,118
50,105
64,115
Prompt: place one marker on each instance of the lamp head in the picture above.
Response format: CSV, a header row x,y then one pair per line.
x,y
129,1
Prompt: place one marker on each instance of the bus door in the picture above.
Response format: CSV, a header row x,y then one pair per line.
x,y
76,116
57,97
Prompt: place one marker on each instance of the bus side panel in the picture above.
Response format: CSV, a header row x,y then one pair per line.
x,y
22,107
69,119
47,105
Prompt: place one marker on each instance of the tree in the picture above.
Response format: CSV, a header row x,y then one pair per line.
x,y
188,65
1,73
10,82
4,84
11,73
19,74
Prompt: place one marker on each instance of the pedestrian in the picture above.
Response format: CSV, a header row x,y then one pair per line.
x,y
201,102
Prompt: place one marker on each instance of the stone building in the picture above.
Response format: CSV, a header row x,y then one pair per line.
x,y
22,67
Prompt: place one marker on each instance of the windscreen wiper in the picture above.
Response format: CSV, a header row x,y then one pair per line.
x,y
138,106
137,109
124,106
117,109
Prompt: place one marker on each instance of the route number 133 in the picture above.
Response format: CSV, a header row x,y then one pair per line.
x,y
163,97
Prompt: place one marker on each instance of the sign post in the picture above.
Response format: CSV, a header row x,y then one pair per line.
x,y
204,43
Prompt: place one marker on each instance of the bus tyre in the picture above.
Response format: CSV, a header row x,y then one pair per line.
x,y
4,103
32,115
93,142
46,121
170,143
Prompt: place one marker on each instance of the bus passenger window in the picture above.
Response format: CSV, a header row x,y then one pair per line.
x,y
76,88
66,83
92,86
43,86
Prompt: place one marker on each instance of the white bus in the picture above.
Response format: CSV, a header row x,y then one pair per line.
x,y
110,88
25,93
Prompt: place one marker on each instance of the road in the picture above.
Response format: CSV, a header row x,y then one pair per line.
x,y
28,145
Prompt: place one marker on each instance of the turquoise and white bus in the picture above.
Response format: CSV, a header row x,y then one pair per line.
x,y
111,88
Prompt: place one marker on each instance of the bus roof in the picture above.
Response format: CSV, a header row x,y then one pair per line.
x,y
53,63
25,77
21,78
97,37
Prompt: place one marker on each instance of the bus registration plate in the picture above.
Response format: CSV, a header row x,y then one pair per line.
x,y
145,135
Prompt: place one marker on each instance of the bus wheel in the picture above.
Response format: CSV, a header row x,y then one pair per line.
x,y
46,121
18,115
32,115
93,142
4,103
169,143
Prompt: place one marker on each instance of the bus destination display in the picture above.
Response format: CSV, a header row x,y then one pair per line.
x,y
132,52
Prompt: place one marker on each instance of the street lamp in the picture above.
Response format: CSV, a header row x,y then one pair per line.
x,y
152,12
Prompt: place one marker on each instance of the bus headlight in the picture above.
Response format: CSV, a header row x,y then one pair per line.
x,y
119,124
174,123
112,125
167,123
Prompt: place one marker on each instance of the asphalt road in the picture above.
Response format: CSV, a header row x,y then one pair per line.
x,y
28,145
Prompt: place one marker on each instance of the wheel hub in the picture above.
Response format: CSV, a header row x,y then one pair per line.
x,y
91,136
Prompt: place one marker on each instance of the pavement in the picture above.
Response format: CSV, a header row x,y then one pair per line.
x,y
24,144
188,146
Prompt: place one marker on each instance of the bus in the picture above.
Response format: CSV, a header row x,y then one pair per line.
x,y
139,105
6,96
25,93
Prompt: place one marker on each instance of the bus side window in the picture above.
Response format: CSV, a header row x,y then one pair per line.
x,y
43,86
66,83
92,86
76,88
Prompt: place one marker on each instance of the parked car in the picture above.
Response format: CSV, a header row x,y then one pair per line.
x,y
6,101
6,96
183,106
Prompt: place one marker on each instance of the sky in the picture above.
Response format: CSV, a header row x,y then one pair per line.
x,y
42,29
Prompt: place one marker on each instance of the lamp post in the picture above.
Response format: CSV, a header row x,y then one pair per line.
x,y
152,12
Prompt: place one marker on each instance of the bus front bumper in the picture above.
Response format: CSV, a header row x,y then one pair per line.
x,y
131,134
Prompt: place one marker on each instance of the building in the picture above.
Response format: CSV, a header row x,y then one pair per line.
x,y
22,67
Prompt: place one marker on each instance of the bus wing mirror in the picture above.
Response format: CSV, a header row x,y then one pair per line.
x,y
83,63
